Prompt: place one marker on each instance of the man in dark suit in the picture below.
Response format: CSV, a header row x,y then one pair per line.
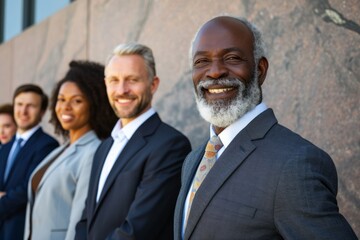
x,y
20,156
135,177
257,179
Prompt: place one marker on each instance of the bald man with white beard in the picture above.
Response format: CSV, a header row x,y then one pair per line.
x,y
255,179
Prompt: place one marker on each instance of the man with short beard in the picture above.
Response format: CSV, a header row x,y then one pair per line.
x,y
135,176
254,179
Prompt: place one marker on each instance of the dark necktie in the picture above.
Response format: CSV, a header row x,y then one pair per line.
x,y
12,158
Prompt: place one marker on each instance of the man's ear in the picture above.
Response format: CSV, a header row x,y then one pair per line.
x,y
262,70
155,84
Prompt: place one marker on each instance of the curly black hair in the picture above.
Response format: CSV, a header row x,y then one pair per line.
x,y
89,78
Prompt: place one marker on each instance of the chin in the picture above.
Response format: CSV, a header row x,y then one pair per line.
x,y
224,113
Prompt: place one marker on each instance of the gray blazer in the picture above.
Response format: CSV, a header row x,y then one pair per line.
x,y
61,193
269,183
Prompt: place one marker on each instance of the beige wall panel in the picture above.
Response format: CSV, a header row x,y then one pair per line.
x,y
42,53
6,72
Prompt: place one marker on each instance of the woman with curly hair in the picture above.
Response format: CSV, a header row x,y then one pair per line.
x,y
58,187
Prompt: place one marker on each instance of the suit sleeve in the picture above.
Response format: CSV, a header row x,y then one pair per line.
x,y
80,228
81,191
154,202
15,199
305,205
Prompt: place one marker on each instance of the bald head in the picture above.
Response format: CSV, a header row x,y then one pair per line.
x,y
236,25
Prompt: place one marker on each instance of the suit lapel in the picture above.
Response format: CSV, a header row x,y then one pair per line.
x,y
24,151
48,159
27,147
133,146
135,143
68,152
189,168
231,159
98,163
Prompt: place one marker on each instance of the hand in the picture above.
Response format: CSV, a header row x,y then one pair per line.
x,y
2,194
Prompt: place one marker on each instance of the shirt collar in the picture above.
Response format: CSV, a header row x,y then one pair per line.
x,y
120,132
230,132
27,134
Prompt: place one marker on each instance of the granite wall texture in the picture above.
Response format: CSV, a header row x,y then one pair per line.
x,y
313,82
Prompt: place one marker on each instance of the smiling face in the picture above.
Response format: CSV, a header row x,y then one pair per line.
x,y
128,86
7,128
27,110
72,110
226,78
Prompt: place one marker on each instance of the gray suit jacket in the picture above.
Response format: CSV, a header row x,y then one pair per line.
x,y
61,193
269,183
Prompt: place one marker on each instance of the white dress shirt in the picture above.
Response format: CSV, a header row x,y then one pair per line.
x,y
226,137
24,136
121,136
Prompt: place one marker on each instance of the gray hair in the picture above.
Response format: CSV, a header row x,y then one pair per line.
x,y
137,49
259,44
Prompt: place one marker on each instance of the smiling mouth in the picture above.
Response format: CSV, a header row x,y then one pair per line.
x,y
123,100
65,117
220,90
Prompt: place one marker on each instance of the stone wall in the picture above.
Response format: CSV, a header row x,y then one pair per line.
x,y
312,84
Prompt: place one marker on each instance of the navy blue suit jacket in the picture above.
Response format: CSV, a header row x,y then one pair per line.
x,y
139,195
269,183
13,204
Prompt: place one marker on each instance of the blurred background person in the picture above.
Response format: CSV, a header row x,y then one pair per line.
x,y
7,123
20,156
58,187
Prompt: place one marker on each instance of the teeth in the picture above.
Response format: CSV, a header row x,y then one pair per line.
x,y
219,90
123,100
66,117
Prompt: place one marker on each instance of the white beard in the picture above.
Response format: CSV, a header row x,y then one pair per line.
x,y
223,113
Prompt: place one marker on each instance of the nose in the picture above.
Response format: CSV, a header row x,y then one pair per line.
x,y
122,88
217,69
68,104
63,105
23,110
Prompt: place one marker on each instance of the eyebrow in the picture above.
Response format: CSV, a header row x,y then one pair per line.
x,y
130,75
225,50
76,95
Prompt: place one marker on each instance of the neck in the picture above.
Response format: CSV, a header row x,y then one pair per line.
x,y
218,130
75,135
